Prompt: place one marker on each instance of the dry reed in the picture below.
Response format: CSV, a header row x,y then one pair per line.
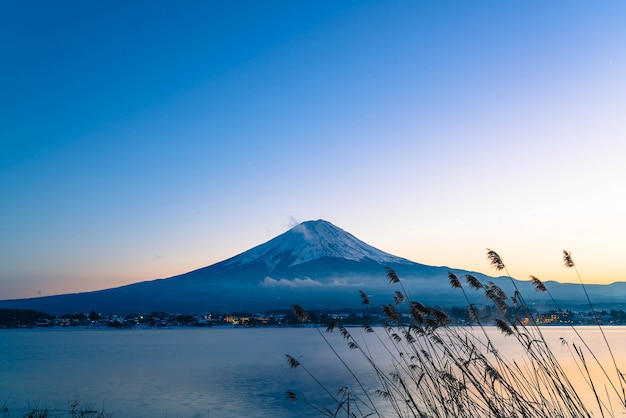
x,y
441,370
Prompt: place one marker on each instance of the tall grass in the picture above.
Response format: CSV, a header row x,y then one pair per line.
x,y
74,410
433,368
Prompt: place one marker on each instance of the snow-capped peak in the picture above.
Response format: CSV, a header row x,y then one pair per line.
x,y
311,241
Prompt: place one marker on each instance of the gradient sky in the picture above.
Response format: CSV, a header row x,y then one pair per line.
x,y
140,140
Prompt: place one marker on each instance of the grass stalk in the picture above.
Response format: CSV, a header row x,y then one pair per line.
x,y
437,369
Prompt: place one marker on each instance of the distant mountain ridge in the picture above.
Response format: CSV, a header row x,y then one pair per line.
x,y
314,264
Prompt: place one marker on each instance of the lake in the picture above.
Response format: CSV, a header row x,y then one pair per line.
x,y
198,372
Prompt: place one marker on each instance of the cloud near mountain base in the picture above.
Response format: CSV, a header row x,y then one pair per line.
x,y
304,283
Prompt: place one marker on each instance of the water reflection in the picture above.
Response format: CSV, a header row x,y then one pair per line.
x,y
208,372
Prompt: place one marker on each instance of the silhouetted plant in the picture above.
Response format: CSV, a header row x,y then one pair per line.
x,y
442,370
75,410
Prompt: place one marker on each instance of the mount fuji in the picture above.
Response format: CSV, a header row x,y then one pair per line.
x,y
314,264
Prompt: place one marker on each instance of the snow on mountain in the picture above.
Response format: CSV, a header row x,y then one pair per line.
x,y
314,264
311,241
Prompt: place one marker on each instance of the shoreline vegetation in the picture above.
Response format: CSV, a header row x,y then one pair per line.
x,y
436,362
433,368
74,410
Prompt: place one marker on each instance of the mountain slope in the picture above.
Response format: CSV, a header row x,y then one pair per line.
x,y
315,264
311,241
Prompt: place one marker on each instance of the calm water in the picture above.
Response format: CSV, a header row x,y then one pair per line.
x,y
209,372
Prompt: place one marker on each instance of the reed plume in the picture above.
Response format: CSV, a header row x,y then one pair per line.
x,y
495,260
365,300
454,281
434,368
567,259
568,262
301,314
473,282
539,286
392,275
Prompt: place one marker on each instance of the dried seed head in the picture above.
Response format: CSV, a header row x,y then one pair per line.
x,y
493,373
392,275
436,339
364,299
439,316
293,363
383,393
495,259
473,313
332,325
301,314
398,298
504,327
473,282
454,281
567,259
494,292
539,286
408,337
391,313
291,396
418,307
344,332
497,296
417,311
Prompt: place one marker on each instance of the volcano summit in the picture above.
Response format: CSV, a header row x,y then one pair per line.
x,y
314,264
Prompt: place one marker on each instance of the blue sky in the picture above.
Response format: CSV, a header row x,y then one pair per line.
x,y
140,140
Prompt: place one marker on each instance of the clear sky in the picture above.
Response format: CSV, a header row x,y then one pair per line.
x,y
145,139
